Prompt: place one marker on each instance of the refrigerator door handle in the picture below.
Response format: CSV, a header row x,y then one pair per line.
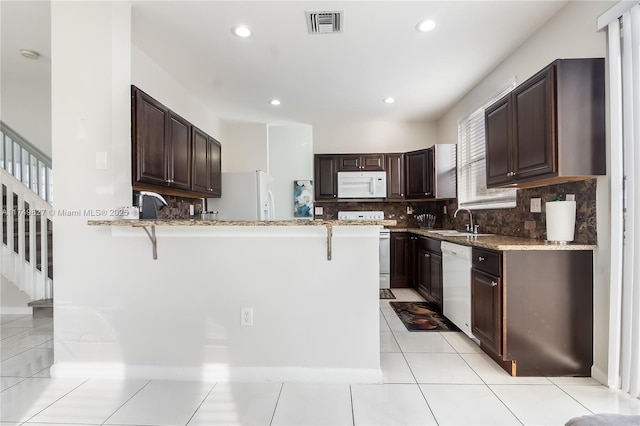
x,y
272,207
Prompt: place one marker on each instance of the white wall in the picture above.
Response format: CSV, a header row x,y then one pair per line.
x,y
13,301
245,147
290,158
25,104
569,34
121,313
374,136
150,77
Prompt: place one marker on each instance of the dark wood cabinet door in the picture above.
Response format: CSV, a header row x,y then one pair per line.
x,y
395,176
534,152
435,280
360,162
372,162
200,164
214,160
400,259
326,179
150,129
486,309
349,163
423,273
429,178
179,152
415,174
498,136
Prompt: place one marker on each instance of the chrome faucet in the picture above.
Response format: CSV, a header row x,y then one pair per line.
x,y
470,227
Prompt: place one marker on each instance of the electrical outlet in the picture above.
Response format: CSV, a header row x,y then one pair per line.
x,y
191,209
571,197
319,211
444,209
536,205
246,317
409,210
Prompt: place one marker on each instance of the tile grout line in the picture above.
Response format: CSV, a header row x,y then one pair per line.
x,y
273,415
104,422
571,396
353,415
85,381
201,402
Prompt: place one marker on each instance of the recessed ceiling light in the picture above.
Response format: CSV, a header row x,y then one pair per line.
x,y
242,31
389,100
425,26
275,102
29,54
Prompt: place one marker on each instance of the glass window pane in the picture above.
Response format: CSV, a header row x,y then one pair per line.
x,y
49,185
8,150
42,178
17,163
34,174
2,150
26,171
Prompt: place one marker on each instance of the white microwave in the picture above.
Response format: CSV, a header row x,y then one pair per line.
x,y
362,184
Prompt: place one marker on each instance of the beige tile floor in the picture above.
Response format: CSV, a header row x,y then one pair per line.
x,y
429,378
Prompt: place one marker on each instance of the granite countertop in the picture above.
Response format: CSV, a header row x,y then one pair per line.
x,y
497,242
199,222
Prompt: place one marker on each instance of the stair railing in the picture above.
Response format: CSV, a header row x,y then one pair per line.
x,y
26,181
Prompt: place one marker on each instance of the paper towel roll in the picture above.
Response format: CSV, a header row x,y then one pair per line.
x,y
561,220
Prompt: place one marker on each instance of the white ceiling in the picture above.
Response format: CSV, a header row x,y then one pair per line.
x,y
319,78
333,77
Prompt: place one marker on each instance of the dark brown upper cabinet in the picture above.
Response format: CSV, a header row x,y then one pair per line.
x,y
149,128
419,176
395,177
169,154
179,150
361,162
431,173
550,129
207,175
325,176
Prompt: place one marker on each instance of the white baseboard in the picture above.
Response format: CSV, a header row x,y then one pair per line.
x,y
16,310
599,375
216,373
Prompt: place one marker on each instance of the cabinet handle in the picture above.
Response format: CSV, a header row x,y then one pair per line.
x,y
427,255
493,283
480,259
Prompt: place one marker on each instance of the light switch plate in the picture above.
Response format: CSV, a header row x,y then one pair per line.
x,y
409,210
536,205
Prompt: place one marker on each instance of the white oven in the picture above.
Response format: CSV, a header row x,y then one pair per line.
x,y
385,242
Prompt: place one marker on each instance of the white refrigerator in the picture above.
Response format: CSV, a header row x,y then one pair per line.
x,y
245,196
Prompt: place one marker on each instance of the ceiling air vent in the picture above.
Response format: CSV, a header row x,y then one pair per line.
x,y
324,22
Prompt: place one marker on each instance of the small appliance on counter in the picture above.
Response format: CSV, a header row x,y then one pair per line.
x,y
149,203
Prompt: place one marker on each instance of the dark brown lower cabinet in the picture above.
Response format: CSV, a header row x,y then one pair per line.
x,y
401,259
428,270
486,309
532,310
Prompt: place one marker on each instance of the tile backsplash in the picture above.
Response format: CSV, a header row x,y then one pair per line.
x,y
517,221
520,222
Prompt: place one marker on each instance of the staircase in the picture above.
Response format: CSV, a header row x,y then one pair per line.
x,y
26,249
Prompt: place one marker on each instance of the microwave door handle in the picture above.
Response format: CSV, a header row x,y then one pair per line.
x,y
372,186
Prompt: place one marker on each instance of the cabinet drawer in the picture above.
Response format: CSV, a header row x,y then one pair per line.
x,y
430,244
487,261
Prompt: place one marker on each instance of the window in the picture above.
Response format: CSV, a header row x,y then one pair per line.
x,y
472,179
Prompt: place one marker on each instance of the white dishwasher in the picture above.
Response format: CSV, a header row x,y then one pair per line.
x,y
456,285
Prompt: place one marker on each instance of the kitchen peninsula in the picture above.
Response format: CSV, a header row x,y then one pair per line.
x,y
313,319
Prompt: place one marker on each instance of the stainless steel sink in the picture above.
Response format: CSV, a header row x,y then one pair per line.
x,y
456,233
